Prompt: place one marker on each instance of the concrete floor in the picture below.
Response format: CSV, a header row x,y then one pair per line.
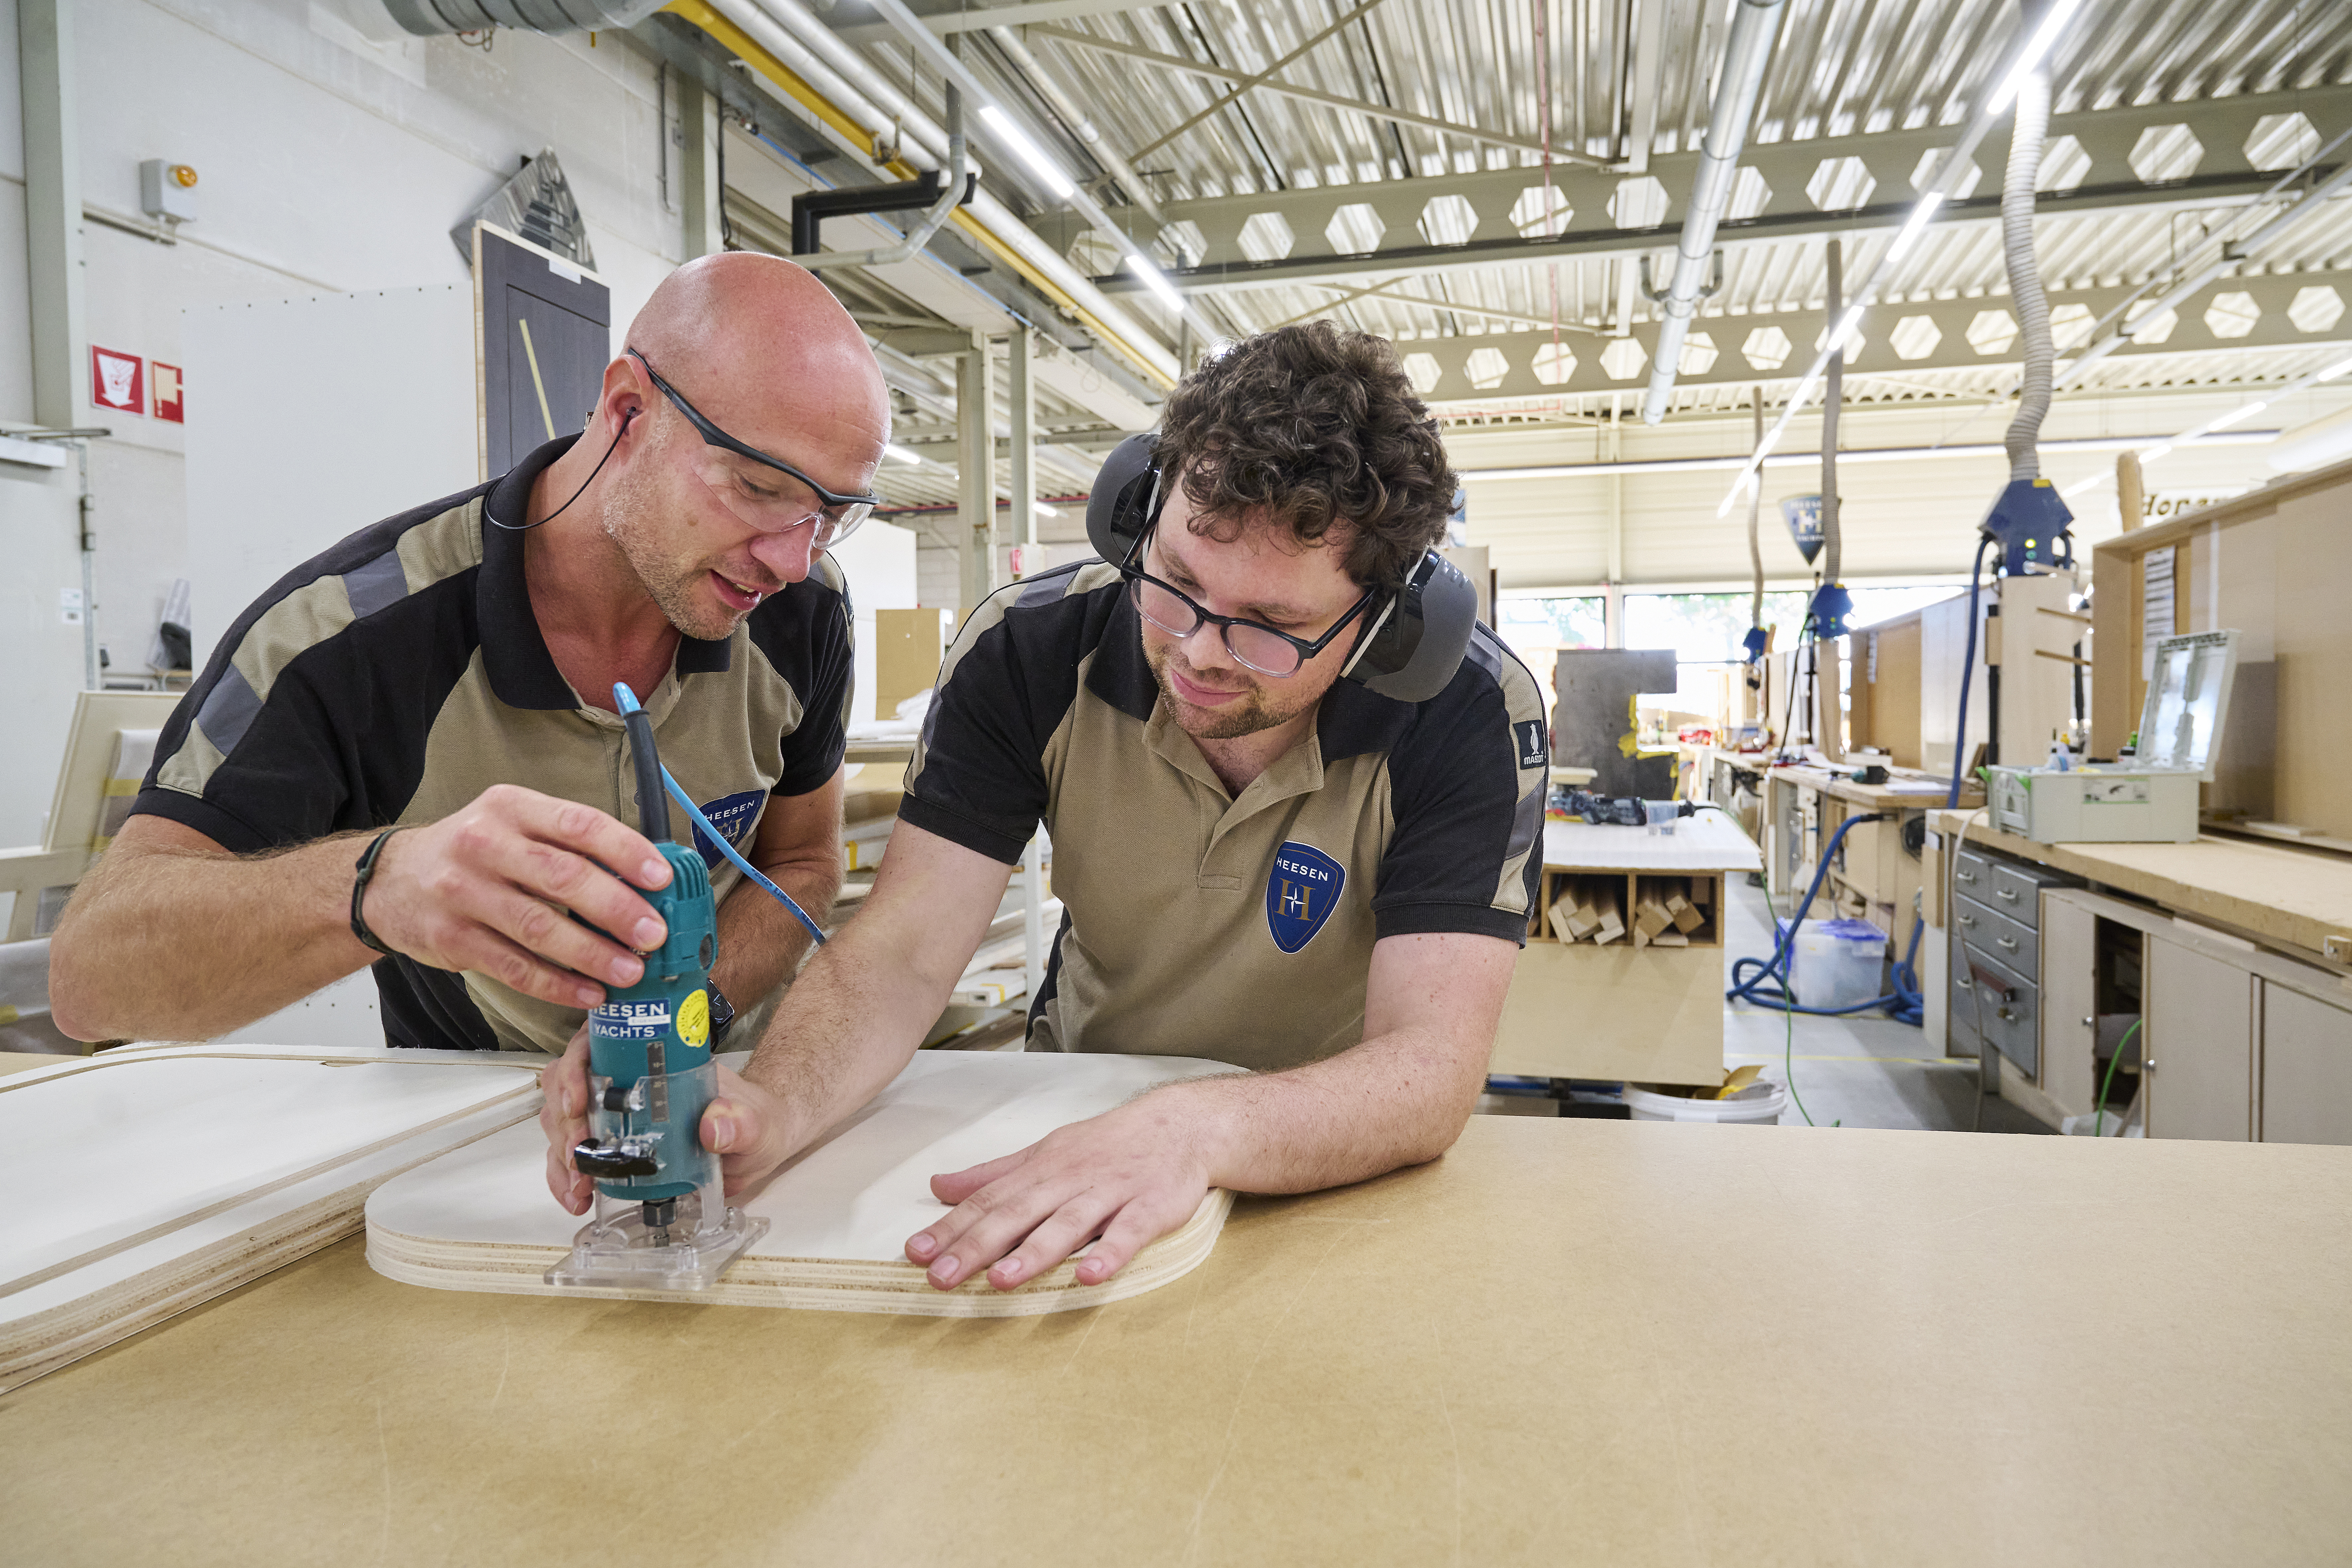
x,y
1862,1070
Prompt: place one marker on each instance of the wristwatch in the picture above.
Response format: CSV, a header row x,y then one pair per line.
x,y
722,1014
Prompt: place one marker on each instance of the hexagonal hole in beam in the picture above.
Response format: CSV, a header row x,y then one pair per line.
x,y
1638,202
2155,329
2232,315
1555,363
1448,220
1749,195
1423,372
1931,163
1266,236
1915,337
1840,184
1767,348
1487,368
2070,326
1623,359
2282,142
1355,230
1699,355
1992,332
2064,164
1541,211
1855,342
2165,152
2315,309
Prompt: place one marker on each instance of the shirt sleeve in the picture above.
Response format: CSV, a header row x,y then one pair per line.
x,y
1467,789
978,777
813,751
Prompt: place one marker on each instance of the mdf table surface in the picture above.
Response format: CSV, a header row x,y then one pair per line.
x,y
1567,1340
2300,898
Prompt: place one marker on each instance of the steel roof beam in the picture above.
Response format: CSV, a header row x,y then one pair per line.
x,y
2224,175
1446,373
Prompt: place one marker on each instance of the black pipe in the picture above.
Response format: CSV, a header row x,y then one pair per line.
x,y
812,209
653,805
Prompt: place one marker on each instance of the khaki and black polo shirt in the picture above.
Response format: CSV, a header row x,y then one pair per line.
x,y
393,678
1196,923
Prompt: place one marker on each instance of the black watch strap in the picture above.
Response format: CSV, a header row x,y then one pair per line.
x,y
364,868
722,1014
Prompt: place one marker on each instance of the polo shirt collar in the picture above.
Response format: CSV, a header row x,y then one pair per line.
x,y
522,671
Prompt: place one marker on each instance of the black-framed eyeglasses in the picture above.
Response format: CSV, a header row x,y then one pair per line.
x,y
772,508
1256,646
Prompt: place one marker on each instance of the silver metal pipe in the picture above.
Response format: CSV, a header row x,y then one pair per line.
x,y
935,216
1754,24
1081,124
928,45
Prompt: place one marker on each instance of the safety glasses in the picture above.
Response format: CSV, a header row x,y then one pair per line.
x,y
1254,644
775,497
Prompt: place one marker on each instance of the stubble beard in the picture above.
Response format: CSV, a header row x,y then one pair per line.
x,y
631,507
1251,715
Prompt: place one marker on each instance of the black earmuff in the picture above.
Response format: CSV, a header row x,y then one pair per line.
x,y
1418,635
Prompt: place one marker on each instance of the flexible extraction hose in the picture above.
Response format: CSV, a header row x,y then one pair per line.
x,y
1968,668
1768,986
2033,123
1755,511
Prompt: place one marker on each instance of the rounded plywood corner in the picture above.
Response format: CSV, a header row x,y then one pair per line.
x,y
840,1214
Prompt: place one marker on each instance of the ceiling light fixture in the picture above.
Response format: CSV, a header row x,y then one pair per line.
x,y
1057,183
1155,280
897,454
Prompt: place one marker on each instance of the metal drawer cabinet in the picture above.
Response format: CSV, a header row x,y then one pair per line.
x,y
1999,936
2009,1017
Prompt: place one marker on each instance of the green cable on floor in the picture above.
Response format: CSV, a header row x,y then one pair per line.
x,y
2099,1120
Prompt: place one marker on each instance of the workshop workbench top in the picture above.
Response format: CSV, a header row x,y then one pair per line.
x,y
2298,898
1708,841
1614,1342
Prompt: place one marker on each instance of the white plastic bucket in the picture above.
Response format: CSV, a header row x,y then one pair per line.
x,y
1759,1101
1836,964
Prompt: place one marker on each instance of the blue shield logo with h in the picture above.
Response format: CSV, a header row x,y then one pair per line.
x,y
1301,891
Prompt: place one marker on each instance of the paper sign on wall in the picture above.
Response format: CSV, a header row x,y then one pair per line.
x,y
116,381
2156,604
169,392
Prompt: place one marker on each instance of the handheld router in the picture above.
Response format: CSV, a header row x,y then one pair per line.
x,y
661,1218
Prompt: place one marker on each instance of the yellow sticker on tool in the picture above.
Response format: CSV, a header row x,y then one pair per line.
x,y
694,1020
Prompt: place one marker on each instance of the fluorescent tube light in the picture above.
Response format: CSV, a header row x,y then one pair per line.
x,y
1056,183
1156,281
897,454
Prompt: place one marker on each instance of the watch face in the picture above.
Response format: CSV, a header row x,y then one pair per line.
x,y
722,1013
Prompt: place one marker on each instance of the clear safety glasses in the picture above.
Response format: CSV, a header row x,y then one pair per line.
x,y
767,493
1253,644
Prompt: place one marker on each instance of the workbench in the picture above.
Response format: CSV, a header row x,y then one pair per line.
x,y
2236,953
1566,1341
1873,877
1619,1013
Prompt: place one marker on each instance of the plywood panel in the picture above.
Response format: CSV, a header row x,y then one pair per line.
x,y
1894,696
838,1216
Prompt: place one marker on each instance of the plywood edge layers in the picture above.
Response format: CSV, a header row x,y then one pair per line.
x,y
832,1285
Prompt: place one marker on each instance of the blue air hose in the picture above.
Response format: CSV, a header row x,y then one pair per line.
x,y
1768,985
628,704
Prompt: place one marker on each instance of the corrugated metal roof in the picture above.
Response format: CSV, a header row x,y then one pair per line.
x,y
1840,68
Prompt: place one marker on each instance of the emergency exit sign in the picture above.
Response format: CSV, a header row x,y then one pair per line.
x,y
117,381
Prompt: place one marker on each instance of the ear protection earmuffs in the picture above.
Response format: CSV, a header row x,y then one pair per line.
x,y
1416,637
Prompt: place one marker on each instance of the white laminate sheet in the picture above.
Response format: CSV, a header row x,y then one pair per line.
x,y
1705,841
839,1215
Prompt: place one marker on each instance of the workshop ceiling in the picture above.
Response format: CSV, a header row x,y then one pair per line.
x,y
1384,162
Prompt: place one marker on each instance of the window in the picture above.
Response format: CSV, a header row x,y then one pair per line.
x,y
1536,626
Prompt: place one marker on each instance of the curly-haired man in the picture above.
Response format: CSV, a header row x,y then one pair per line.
x,y
1262,861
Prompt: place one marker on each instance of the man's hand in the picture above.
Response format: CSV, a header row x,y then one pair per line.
x,y
743,1124
488,889
1129,1176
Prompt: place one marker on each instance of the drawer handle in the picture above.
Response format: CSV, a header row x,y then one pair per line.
x,y
2009,893
1964,876
2008,944
1963,986
1967,920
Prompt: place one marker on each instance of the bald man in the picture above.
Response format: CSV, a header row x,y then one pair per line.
x,y
406,753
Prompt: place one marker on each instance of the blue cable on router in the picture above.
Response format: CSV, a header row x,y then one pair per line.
x,y
628,701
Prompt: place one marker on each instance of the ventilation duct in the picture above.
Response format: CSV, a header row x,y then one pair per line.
x,y
431,16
